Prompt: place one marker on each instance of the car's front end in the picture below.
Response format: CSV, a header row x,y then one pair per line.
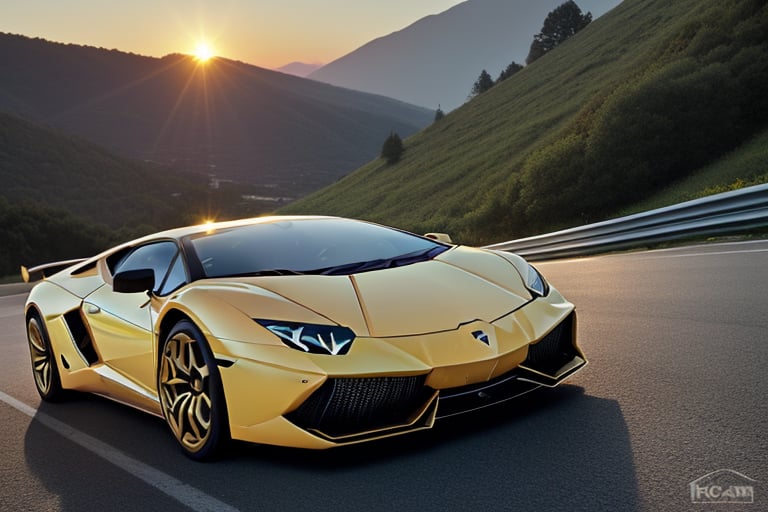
x,y
317,361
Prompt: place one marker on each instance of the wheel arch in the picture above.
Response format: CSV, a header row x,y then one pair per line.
x,y
169,319
32,309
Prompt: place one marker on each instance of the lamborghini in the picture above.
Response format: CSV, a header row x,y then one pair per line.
x,y
301,331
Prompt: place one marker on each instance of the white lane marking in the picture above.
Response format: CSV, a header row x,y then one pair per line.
x,y
663,253
176,489
650,255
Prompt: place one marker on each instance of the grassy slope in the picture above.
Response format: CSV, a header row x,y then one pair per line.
x,y
461,174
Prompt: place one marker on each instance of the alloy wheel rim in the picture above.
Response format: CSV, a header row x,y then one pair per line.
x,y
185,391
41,359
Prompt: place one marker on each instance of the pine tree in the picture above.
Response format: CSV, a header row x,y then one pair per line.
x,y
482,84
392,149
510,70
560,25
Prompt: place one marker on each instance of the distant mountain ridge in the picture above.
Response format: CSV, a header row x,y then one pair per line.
x,y
301,69
226,118
435,60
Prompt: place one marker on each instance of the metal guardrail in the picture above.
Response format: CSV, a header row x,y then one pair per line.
x,y
732,212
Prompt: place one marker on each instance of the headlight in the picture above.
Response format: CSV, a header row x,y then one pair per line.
x,y
314,339
535,282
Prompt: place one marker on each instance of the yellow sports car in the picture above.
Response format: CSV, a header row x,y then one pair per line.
x,y
310,332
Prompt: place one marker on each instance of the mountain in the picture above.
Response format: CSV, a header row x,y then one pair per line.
x,y
44,167
649,95
222,117
63,197
436,60
301,69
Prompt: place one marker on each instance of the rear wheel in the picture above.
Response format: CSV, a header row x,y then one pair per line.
x,y
44,369
191,395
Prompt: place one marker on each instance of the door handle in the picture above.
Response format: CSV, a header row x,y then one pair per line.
x,y
92,310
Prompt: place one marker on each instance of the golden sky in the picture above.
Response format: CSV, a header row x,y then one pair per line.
x,y
268,33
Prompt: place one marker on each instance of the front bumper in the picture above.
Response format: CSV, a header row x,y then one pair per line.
x,y
550,361
389,386
346,410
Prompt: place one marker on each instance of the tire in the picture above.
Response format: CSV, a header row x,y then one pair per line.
x,y
44,367
191,394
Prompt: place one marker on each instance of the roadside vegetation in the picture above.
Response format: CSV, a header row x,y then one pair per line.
x,y
644,98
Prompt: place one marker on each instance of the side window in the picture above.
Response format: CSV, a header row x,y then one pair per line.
x,y
158,257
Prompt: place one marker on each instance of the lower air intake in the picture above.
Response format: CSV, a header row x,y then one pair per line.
x,y
342,406
554,350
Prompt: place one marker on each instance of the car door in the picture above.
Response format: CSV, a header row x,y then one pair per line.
x,y
121,323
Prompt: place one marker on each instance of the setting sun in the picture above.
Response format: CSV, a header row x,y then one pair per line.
x,y
203,52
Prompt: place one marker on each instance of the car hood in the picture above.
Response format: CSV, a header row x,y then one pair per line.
x,y
458,287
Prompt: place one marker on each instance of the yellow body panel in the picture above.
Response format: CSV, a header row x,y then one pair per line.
x,y
121,325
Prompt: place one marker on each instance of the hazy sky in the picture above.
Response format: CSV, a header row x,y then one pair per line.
x,y
267,33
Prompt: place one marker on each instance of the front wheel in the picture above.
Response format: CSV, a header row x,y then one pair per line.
x,y
191,395
44,369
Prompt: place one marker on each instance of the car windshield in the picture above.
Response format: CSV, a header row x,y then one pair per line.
x,y
309,246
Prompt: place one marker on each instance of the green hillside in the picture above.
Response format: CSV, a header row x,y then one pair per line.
x,y
644,97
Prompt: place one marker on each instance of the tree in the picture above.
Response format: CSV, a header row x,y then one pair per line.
x,y
559,25
439,114
392,149
513,68
482,84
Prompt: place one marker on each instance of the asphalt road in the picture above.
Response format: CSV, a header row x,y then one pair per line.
x,y
675,389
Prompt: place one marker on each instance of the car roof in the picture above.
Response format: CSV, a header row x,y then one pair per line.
x,y
179,233
206,227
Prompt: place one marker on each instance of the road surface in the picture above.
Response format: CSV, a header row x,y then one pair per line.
x,y
675,389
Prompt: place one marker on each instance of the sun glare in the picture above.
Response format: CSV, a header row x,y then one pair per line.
x,y
203,52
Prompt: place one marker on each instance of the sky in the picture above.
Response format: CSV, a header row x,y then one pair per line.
x,y
267,33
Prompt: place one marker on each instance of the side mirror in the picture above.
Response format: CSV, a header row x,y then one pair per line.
x,y
440,237
134,281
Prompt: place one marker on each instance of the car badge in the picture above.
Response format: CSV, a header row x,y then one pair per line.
x,y
482,336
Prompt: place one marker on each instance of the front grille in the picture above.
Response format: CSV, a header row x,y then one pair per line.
x,y
346,406
554,350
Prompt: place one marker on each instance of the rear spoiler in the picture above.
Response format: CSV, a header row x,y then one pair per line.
x,y
48,269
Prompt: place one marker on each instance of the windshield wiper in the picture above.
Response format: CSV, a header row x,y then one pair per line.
x,y
268,272
397,261
352,268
